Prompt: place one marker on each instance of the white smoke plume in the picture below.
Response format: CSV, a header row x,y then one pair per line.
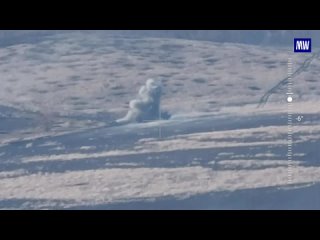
x,y
146,106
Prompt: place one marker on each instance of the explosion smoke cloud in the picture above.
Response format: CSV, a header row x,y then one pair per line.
x,y
146,106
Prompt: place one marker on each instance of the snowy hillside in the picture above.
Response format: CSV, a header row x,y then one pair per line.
x,y
62,92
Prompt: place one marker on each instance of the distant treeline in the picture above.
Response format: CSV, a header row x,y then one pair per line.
x,y
257,37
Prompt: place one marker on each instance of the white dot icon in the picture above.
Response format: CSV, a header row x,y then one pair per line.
x,y
289,99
